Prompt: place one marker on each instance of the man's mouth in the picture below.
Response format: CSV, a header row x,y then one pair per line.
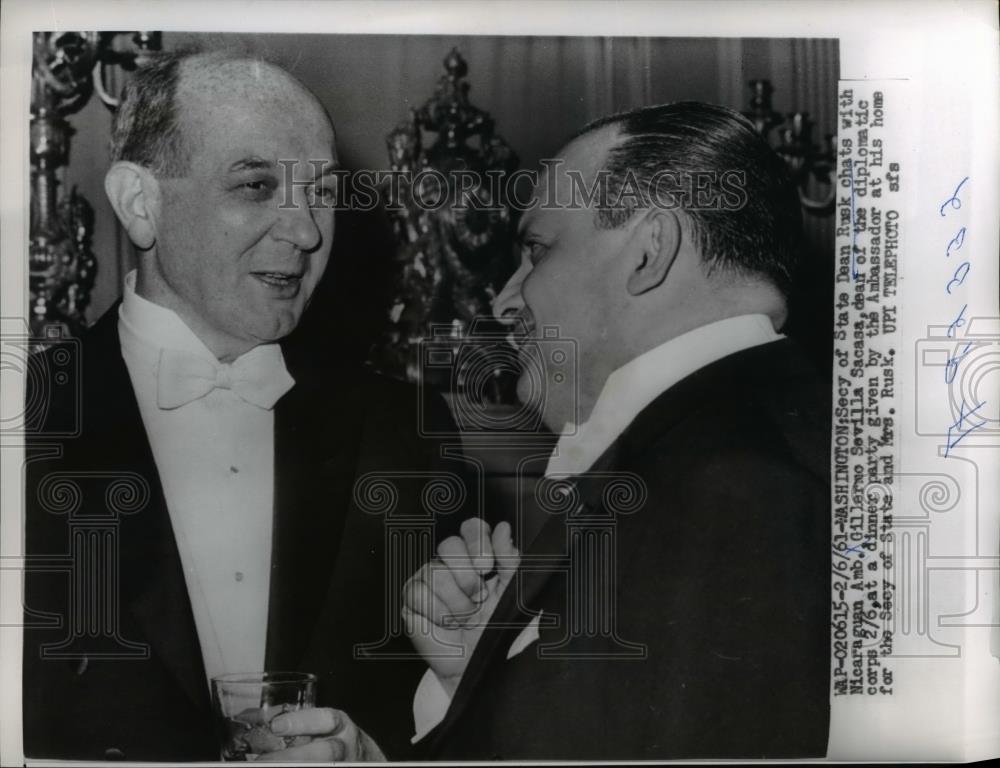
x,y
278,279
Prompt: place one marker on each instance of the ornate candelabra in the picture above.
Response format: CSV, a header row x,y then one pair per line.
x,y
450,256
68,68
810,165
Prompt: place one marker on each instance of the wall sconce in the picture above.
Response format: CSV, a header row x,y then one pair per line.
x,y
811,166
68,68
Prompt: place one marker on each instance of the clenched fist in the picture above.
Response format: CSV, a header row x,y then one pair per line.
x,y
449,601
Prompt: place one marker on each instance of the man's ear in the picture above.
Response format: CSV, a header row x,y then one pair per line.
x,y
659,242
134,194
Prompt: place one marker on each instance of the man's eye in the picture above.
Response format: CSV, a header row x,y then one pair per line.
x,y
325,195
257,189
534,251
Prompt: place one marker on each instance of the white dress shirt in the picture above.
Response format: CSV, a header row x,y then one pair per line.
x,y
625,394
215,457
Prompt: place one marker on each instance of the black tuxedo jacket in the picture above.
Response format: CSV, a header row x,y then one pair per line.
x,y
132,685
702,629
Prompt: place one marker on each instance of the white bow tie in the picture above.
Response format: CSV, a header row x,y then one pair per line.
x,y
259,377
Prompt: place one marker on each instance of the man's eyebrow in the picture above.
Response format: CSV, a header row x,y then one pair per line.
x,y
251,164
330,167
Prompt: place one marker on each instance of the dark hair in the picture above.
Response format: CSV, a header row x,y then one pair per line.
x,y
759,236
146,129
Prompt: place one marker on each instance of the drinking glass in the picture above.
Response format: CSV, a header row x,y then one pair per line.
x,y
245,704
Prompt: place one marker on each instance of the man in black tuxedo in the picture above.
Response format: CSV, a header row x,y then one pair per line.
x,y
208,502
676,605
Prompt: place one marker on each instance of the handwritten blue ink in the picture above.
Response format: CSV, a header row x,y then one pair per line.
x,y
954,200
956,241
957,323
955,279
963,432
951,366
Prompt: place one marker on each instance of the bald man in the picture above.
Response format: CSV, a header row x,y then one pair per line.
x,y
238,550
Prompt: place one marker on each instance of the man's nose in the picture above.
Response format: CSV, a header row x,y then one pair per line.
x,y
297,223
509,301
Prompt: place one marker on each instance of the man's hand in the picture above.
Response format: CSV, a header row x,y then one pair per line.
x,y
449,601
334,736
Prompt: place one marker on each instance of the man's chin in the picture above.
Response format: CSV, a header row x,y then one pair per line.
x,y
543,401
272,325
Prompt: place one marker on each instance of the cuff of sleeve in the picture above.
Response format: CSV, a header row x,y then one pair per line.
x,y
430,705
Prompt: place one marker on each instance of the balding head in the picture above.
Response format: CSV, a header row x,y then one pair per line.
x,y
165,99
209,79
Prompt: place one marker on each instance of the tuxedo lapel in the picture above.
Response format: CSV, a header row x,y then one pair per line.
x,y
152,580
317,437
727,377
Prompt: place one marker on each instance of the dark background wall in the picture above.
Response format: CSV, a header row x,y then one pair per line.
x,y
538,89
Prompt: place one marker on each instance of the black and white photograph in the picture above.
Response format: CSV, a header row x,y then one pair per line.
x,y
408,391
